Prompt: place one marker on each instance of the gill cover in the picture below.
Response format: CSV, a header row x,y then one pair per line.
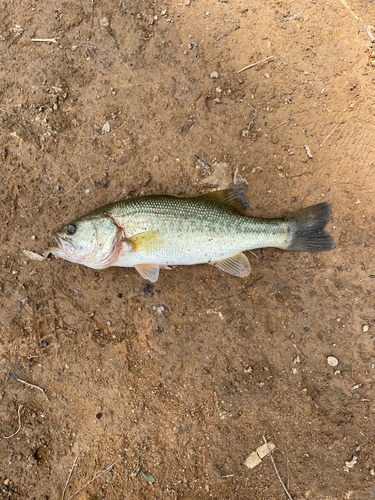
x,y
93,241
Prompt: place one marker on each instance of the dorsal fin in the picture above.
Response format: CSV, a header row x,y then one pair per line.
x,y
234,198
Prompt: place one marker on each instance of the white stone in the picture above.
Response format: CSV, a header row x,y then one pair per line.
x,y
332,361
263,450
106,127
253,460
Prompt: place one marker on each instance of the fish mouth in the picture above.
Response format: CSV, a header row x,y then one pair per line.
x,y
64,249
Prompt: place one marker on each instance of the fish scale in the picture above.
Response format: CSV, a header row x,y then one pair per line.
x,y
194,230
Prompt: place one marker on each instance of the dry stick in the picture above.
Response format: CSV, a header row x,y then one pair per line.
x,y
49,40
349,9
255,64
30,385
277,472
19,424
368,28
70,475
309,191
227,33
108,469
279,125
245,133
301,353
329,135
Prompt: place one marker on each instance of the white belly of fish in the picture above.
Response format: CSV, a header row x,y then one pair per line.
x,y
194,249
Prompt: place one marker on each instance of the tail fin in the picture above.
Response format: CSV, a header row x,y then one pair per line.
x,y
307,232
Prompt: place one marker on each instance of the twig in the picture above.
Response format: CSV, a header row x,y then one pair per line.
x,y
283,123
19,424
98,474
245,133
215,300
299,350
349,9
300,175
277,472
12,375
70,475
329,135
255,64
49,40
309,191
287,467
368,28
227,33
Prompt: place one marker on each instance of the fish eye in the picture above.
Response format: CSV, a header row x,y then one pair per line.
x,y
72,228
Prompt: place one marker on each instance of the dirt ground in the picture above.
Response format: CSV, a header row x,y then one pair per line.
x,y
119,106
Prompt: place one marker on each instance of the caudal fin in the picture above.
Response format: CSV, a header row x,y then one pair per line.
x,y
307,232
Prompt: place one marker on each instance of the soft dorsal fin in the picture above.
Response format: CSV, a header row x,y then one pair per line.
x,y
238,265
148,271
234,198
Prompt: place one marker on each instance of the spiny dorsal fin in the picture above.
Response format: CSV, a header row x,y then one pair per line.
x,y
234,198
238,265
148,271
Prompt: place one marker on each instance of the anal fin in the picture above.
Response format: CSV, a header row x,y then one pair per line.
x,y
238,265
148,271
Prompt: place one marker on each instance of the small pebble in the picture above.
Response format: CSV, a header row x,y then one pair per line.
x,y
308,151
106,127
33,237
351,463
365,328
104,22
214,74
332,361
187,2
109,323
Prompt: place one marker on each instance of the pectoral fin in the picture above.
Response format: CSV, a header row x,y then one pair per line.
x,y
238,265
148,271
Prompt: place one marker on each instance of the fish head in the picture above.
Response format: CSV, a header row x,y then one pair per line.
x,y
92,241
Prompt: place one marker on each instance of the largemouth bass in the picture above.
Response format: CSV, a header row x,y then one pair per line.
x,y
153,232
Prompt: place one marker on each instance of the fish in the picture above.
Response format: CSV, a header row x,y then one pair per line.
x,y
155,232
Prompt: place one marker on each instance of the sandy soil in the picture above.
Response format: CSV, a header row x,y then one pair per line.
x,y
185,394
